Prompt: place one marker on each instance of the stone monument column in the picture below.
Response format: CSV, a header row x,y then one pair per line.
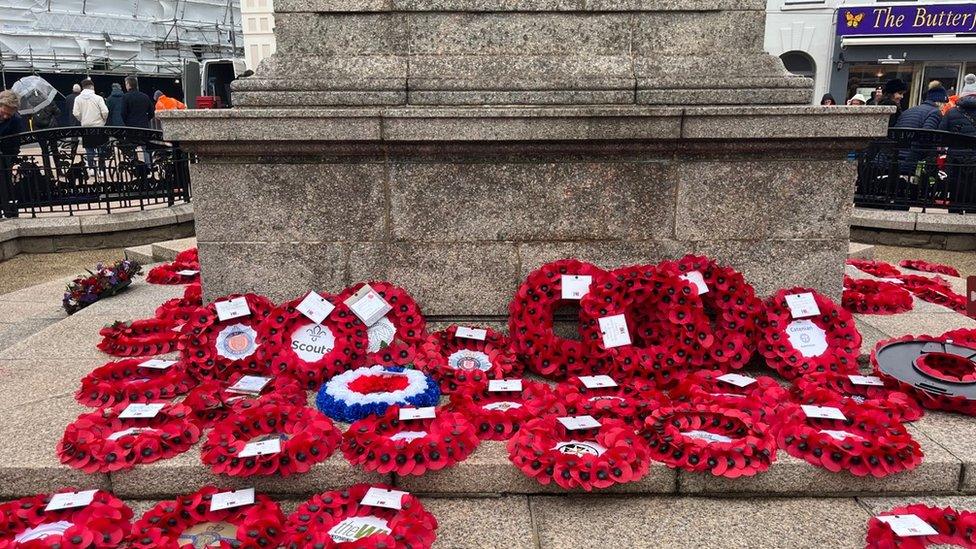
x,y
452,146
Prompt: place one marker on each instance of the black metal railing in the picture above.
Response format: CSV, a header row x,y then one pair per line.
x,y
68,170
918,168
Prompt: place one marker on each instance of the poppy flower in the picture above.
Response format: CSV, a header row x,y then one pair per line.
x,y
362,392
179,309
879,269
835,387
177,272
630,401
395,338
455,360
934,290
497,415
211,401
125,382
875,297
925,266
102,524
759,397
145,337
213,349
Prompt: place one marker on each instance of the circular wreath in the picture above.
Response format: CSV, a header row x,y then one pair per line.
x,y
934,290
868,442
125,382
925,266
497,415
879,269
310,352
875,297
212,402
146,337
843,341
665,318
367,391
169,274
940,366
100,442
187,521
530,322
832,387
179,309
102,524
338,519
455,361
394,339
955,528
547,451
759,399
213,349
630,401
732,307
306,438
709,437
385,444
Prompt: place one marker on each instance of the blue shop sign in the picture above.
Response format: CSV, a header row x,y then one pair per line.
x,y
901,20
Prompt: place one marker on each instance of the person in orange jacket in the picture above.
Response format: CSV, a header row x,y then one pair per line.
x,y
164,103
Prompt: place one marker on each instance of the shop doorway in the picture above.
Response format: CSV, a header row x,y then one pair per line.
x,y
949,74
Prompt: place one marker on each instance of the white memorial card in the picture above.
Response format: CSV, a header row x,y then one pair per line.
x,y
504,385
315,307
368,305
576,423
597,382
738,380
823,412
615,332
697,280
261,448
378,497
141,411
471,333
575,286
871,381
188,272
233,308
70,500
157,364
407,414
237,498
802,305
249,385
908,525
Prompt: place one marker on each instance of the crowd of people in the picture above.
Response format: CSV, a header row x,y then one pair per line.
x,y
937,111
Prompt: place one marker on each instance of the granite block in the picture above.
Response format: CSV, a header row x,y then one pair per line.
x,y
522,97
74,337
488,523
882,504
48,226
345,34
549,201
510,72
12,333
870,336
18,311
698,33
27,381
46,292
169,249
785,122
860,251
957,434
606,254
127,221
238,126
884,219
706,96
946,223
141,254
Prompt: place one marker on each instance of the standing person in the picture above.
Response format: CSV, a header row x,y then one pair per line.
x,y
857,100
164,103
876,96
114,103
828,100
69,106
962,118
137,107
894,91
927,115
91,112
11,123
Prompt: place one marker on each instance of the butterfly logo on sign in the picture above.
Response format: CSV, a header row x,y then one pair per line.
x,y
853,20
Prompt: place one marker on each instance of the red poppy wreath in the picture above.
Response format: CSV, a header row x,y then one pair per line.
x,y
146,337
875,297
531,315
646,320
314,352
599,457
339,519
952,528
879,269
709,438
178,310
865,442
133,380
394,338
757,396
213,349
103,442
269,438
630,401
460,354
497,413
385,444
213,400
102,523
185,269
934,290
866,390
188,521
925,266
823,339
949,369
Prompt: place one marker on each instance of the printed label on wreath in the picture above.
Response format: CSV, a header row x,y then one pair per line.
x,y
823,412
577,423
42,531
597,382
466,359
141,411
732,395
356,528
407,414
575,286
802,305
502,405
315,307
249,385
237,342
580,448
130,431
70,500
157,364
891,280
208,534
379,497
311,342
697,280
368,305
231,309
738,380
188,272
261,446
807,338
871,381
615,332
707,436
606,397
237,498
464,332
380,335
838,435
504,385
907,526
408,435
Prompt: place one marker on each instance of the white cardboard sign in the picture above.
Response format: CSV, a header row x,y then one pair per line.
x,y
575,286
141,411
315,307
576,423
908,525
802,305
407,414
233,308
237,498
70,500
157,364
368,305
738,380
823,412
471,333
249,385
615,332
378,497
504,385
697,280
871,381
597,382
261,448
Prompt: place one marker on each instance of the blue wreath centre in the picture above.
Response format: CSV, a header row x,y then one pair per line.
x,y
349,412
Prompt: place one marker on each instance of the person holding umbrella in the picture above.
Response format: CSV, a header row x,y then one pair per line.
x,y
11,123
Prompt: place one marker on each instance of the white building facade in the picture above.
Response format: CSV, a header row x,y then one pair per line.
x,y
855,46
258,24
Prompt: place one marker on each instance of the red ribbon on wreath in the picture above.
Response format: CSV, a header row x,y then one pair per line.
x,y
454,360
497,415
125,382
405,318
954,528
104,523
214,349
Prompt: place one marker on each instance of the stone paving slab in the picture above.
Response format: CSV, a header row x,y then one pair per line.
x,y
12,333
681,523
957,434
860,251
20,311
142,254
166,251
26,381
48,292
916,324
489,523
75,336
882,504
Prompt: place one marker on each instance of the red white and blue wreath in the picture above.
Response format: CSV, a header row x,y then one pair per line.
x,y
133,380
366,391
214,349
92,519
395,337
461,354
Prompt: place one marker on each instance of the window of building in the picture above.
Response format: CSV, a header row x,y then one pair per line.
x,y
252,24
264,24
865,78
254,53
799,63
265,50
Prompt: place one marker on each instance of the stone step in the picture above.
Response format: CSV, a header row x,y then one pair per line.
x,y
142,254
860,251
166,251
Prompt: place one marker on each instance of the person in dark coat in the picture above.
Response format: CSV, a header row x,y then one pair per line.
x,y
114,103
67,118
11,123
828,100
137,108
927,115
894,91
